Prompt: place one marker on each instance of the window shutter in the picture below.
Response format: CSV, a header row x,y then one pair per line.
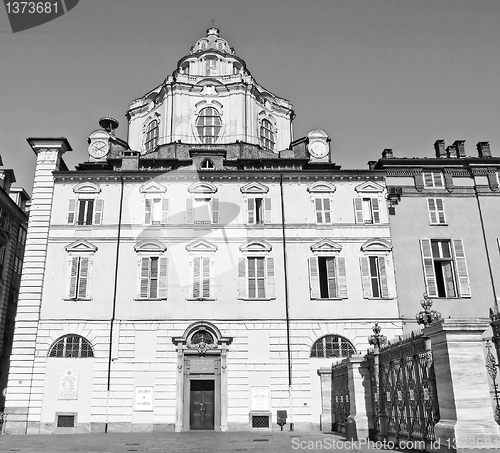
x,y
215,210
358,210
440,210
365,277
242,278
148,207
189,211
431,204
206,277
71,211
314,277
98,208
384,284
461,266
327,210
162,278
73,278
331,278
267,210
144,280
164,210
196,271
318,202
341,278
375,210
83,279
428,263
271,285
251,210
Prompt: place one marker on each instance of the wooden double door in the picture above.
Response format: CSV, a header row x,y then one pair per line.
x,y
202,404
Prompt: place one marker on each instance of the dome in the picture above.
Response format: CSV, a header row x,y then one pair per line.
x,y
212,41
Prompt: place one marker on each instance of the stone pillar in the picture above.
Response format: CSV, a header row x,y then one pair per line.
x,y
463,391
359,393
325,375
179,400
223,388
23,403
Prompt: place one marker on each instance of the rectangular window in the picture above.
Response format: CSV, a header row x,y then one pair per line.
x,y
85,212
256,278
258,210
202,211
374,277
433,179
155,211
445,268
367,210
323,211
327,277
79,277
153,278
201,277
436,211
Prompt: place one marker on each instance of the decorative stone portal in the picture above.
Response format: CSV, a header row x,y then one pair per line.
x,y
201,397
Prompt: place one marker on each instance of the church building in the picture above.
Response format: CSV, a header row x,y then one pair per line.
x,y
198,274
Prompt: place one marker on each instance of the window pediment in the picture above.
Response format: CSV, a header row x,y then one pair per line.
x,y
202,187
150,245
201,245
376,245
87,188
321,187
256,245
254,187
326,245
369,186
152,187
81,245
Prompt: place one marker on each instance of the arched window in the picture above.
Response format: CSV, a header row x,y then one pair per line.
x,y
207,164
72,346
208,125
331,346
202,336
266,135
152,133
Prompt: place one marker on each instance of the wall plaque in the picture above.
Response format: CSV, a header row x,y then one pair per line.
x,y
260,398
201,366
68,386
143,399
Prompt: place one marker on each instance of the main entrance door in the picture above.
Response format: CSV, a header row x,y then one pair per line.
x,y
202,407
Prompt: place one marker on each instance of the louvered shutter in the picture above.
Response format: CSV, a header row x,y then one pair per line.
x,y
196,272
327,210
163,278
341,278
461,266
83,279
164,210
206,277
73,278
251,211
270,281
71,211
440,210
148,207
375,210
98,208
189,211
144,279
318,203
215,210
314,277
365,277
384,283
431,204
331,278
429,272
358,210
267,210
242,278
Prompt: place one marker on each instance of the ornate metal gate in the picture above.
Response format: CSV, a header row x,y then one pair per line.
x,y
340,396
492,363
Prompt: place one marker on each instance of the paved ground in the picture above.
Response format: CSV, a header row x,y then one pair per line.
x,y
195,442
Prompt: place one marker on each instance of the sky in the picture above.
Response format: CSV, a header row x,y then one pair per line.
x,y
373,74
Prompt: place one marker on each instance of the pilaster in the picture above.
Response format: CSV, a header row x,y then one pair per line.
x,y
325,375
359,394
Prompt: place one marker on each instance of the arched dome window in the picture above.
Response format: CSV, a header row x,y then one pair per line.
x,y
208,125
331,346
72,346
267,135
152,133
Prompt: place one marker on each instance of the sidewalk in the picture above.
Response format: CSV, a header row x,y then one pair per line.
x,y
196,442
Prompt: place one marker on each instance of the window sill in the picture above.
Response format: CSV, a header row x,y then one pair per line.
x,y
320,299
148,299
438,224
202,299
77,299
256,299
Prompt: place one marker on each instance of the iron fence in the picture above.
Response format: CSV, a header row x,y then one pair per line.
x,y
340,396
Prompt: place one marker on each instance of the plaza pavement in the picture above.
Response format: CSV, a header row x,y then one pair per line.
x,y
195,442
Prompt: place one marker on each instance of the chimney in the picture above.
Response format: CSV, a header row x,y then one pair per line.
x,y
387,154
460,147
451,151
130,160
439,147
483,149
